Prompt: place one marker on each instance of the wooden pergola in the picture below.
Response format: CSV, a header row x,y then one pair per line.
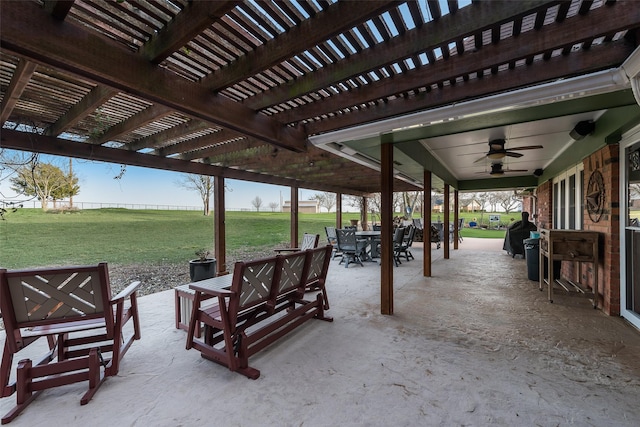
x,y
238,89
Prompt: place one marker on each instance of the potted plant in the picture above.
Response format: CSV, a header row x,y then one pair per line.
x,y
203,267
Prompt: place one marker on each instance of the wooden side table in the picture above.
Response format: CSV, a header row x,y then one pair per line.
x,y
579,246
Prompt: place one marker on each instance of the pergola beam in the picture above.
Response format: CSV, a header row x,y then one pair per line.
x,y
425,38
335,19
552,36
73,49
597,58
32,142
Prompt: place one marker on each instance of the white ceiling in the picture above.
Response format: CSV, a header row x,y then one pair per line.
x,y
461,153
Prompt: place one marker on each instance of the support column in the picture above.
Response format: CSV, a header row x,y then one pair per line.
x,y
455,220
445,225
219,244
426,226
363,215
338,210
294,217
386,240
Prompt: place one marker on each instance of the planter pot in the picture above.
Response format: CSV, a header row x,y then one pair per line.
x,y
200,270
354,222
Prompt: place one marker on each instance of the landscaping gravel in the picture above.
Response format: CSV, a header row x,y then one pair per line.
x,y
161,277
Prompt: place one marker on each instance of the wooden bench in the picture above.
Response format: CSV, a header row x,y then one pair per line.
x,y
72,308
263,302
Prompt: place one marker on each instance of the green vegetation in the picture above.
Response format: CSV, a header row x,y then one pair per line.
x,y
32,238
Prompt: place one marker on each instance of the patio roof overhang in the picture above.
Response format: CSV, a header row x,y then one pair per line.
x,y
238,89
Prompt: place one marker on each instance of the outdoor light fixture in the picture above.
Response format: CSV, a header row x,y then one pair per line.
x,y
537,172
582,129
496,169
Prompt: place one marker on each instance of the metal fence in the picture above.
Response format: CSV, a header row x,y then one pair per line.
x,y
62,205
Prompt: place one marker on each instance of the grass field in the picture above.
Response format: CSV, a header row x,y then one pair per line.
x,y
32,238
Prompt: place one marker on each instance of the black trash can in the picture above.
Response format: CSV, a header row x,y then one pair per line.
x,y
532,255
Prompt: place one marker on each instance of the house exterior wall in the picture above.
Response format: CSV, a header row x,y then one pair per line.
x,y
306,206
606,161
545,205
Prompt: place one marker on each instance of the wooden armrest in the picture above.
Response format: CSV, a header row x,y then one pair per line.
x,y
287,250
126,292
214,292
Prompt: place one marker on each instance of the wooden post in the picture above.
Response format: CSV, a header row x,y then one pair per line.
x,y
219,245
294,217
363,214
455,220
426,227
338,210
445,225
386,241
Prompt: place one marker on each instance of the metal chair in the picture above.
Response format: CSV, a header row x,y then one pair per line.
x,y
407,241
332,239
353,250
398,237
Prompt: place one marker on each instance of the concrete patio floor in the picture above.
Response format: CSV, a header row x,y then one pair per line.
x,y
476,344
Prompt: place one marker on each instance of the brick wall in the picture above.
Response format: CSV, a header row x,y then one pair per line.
x,y
606,161
545,205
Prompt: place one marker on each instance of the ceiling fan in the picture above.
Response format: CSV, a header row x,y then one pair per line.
x,y
498,170
497,150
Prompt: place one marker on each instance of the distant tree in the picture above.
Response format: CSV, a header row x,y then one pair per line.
x,y
44,181
273,206
257,203
508,201
493,198
202,184
410,199
326,200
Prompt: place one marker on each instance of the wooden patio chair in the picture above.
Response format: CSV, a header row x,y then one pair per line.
x,y
72,308
309,241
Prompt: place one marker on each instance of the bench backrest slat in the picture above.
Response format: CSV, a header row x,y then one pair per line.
x,y
318,265
46,296
252,282
293,272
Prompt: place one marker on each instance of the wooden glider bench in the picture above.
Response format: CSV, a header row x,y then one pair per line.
x,y
260,302
72,308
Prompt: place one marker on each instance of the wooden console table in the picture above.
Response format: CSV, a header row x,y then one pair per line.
x,y
569,245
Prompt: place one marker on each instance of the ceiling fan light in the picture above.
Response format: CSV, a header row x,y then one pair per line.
x,y
496,156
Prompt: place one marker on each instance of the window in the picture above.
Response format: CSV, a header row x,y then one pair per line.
x,y
568,204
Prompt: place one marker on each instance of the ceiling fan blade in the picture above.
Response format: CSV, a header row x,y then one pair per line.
x,y
510,154
480,159
527,147
515,170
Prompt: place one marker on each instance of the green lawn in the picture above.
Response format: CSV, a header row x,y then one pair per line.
x,y
32,238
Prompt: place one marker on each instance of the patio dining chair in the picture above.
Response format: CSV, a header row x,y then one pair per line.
x,y
407,240
398,238
332,239
309,241
353,249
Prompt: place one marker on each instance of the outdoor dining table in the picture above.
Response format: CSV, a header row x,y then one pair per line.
x,y
371,237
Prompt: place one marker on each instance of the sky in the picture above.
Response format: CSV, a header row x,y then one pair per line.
x,y
145,186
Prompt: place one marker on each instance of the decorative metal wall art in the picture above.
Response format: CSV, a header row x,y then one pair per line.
x,y
595,195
